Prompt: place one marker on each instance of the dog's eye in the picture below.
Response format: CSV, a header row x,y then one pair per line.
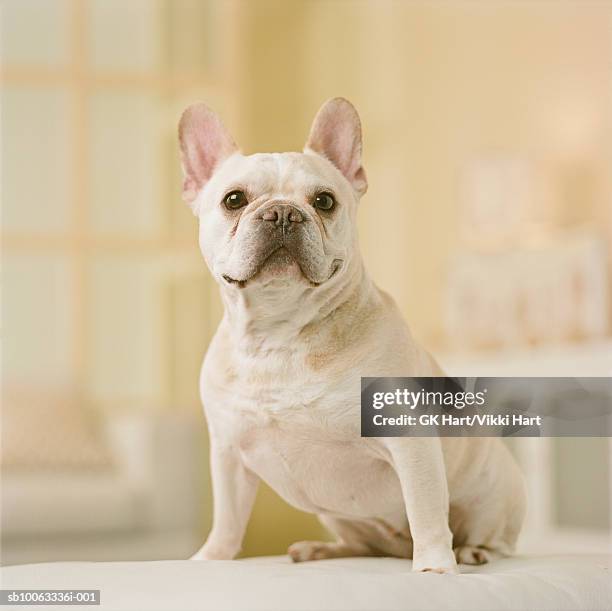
x,y
324,201
235,200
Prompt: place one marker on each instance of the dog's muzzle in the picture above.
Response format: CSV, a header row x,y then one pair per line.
x,y
281,226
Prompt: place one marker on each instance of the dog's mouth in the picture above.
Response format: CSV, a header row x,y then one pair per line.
x,y
282,259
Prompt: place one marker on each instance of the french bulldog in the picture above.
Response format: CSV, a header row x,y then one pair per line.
x,y
280,383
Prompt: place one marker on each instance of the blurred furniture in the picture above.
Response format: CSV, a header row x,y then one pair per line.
x,y
519,276
144,505
562,583
569,479
551,291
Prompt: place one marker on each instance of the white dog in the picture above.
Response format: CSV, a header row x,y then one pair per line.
x,y
281,380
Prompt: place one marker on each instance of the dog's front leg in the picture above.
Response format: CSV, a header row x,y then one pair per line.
x,y
419,464
234,490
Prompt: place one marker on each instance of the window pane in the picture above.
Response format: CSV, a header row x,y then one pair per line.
x,y
125,36
125,169
47,25
37,321
127,330
36,159
194,310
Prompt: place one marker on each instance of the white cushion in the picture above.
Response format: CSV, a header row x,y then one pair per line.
x,y
544,583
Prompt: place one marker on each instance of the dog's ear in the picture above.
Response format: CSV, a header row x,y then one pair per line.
x,y
336,134
204,143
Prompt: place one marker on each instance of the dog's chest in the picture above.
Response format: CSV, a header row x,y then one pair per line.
x,y
301,435
316,467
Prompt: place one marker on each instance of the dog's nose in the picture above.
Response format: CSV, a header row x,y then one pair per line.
x,y
282,214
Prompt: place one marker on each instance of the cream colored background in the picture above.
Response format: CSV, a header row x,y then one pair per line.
x,y
104,289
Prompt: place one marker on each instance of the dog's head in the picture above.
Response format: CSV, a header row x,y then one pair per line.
x,y
275,216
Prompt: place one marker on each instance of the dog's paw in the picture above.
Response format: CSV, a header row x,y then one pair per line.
x,y
435,561
302,551
472,554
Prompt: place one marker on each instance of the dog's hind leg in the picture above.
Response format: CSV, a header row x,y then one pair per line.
x,y
476,554
303,551
483,537
353,538
349,542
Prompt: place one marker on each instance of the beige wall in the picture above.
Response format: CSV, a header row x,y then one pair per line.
x,y
437,85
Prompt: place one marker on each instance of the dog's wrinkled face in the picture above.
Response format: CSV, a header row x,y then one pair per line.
x,y
266,215
280,216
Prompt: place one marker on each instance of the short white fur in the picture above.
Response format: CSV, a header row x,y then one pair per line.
x,y
280,383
